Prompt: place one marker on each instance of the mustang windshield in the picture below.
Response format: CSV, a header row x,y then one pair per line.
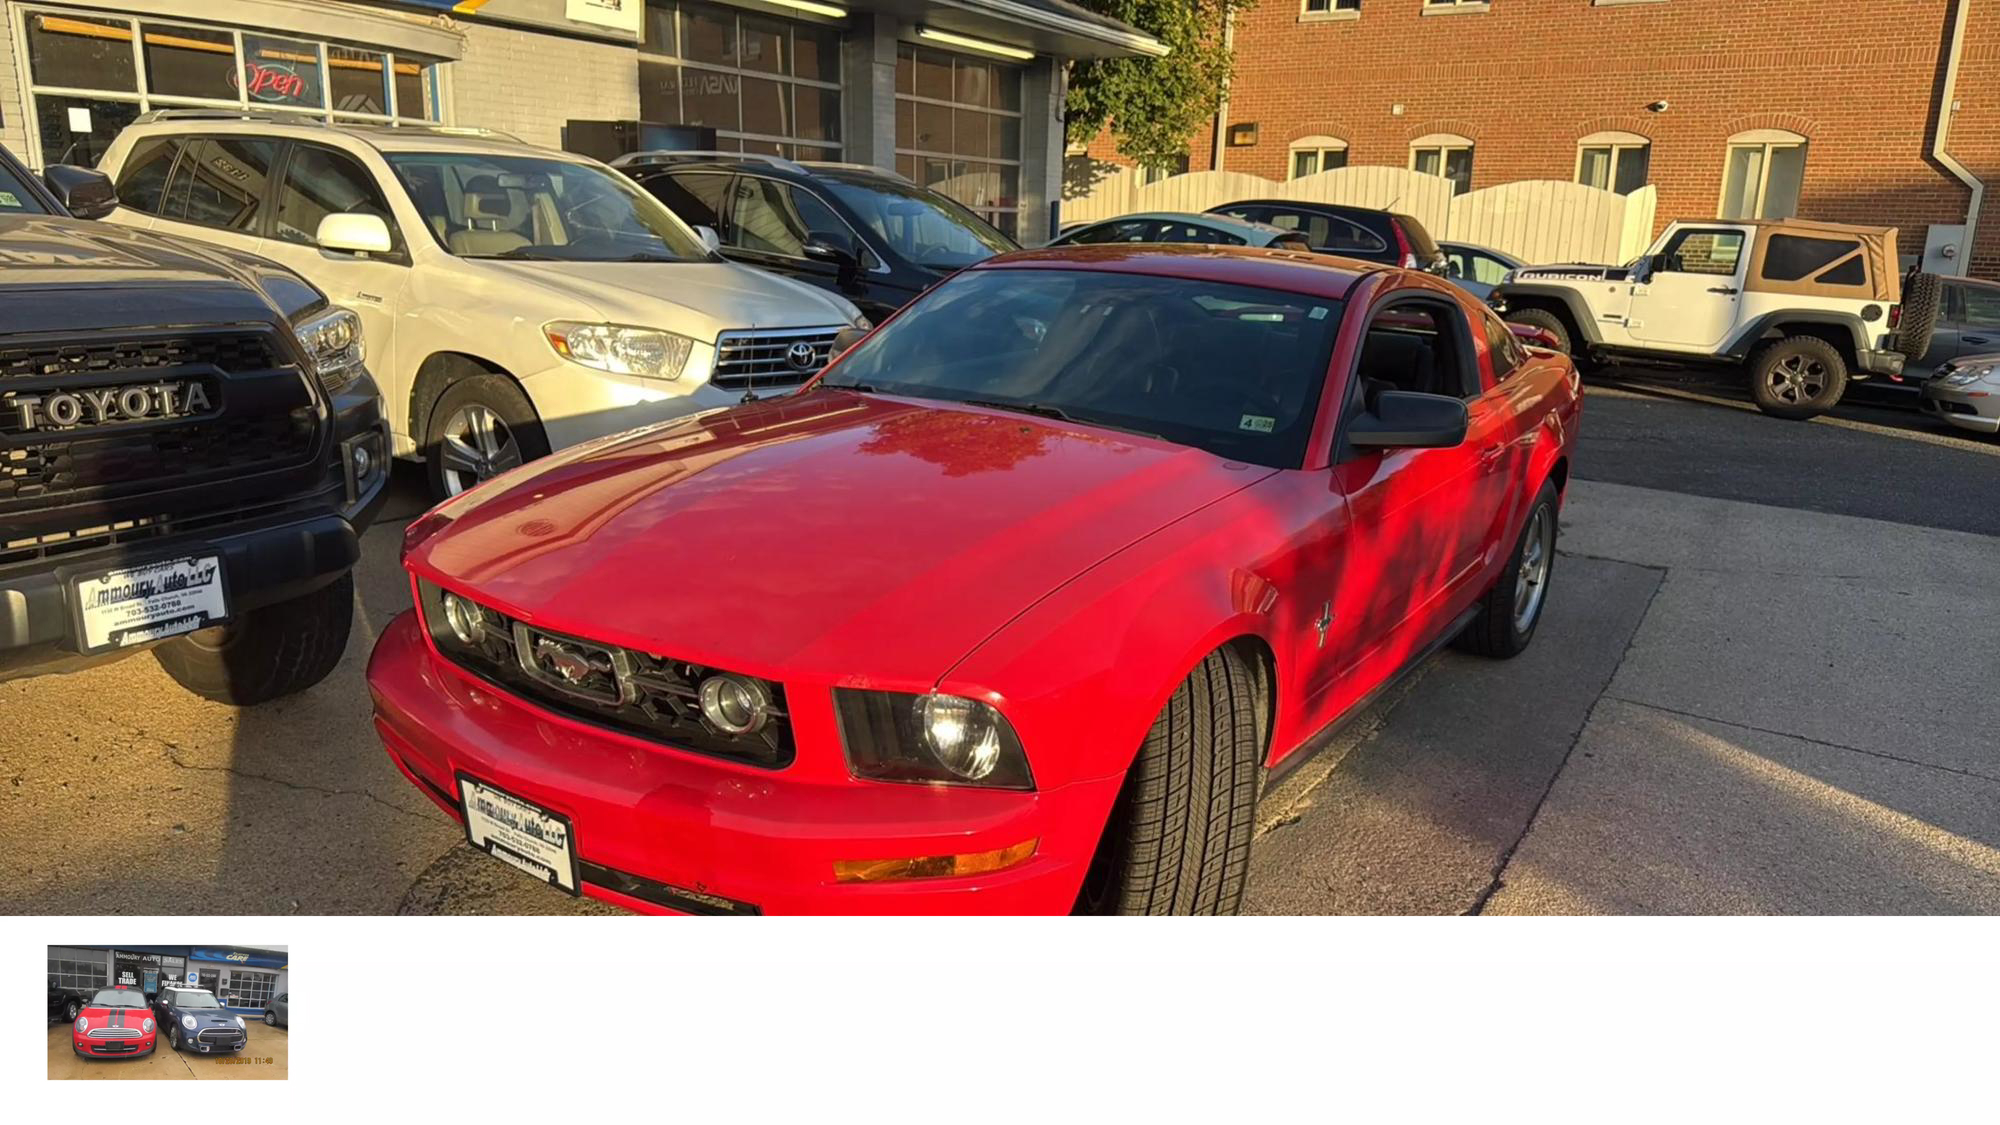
x,y
1229,369
192,1000
117,998
486,206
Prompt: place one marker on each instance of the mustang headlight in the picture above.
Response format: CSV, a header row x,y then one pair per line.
x,y
187,1022
146,1024
333,344
620,349
894,736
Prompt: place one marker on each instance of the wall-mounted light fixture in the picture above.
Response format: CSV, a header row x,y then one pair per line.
x,y
967,42
1243,134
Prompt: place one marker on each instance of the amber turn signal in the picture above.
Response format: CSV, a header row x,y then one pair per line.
x,y
930,866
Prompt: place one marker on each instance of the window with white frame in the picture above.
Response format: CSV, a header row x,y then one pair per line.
x,y
958,130
1614,161
1312,155
1328,7
1456,3
244,988
1152,172
74,970
90,74
763,83
1444,154
1762,173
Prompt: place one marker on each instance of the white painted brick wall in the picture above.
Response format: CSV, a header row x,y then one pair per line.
x,y
530,84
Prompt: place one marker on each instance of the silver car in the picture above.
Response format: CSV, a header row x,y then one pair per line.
x,y
278,1013
1965,392
1477,269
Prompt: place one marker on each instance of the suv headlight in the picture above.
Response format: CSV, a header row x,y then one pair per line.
x,y
620,349
333,344
894,736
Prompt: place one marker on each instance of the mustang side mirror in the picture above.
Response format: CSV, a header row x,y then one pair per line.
x,y
833,248
83,192
1409,420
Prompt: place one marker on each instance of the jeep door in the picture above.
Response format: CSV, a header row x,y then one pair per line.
x,y
1688,302
316,181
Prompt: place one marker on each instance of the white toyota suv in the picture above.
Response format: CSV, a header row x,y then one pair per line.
x,y
515,299
1802,306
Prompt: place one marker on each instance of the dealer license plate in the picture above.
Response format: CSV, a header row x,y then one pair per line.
x,y
519,833
134,605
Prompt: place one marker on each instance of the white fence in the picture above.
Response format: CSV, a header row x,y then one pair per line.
x,y
1538,221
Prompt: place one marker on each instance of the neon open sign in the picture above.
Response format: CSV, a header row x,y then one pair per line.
x,y
272,83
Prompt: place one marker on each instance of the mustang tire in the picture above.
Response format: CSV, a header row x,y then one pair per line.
x,y
268,652
1513,607
1797,377
1179,838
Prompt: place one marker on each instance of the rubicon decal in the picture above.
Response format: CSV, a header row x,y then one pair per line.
x,y
101,406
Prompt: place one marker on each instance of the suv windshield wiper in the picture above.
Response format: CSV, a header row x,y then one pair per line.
x,y
1046,410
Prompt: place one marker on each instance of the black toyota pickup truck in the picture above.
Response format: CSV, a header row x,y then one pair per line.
x,y
190,448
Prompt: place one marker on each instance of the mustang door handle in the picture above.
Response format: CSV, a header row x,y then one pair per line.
x,y
1722,289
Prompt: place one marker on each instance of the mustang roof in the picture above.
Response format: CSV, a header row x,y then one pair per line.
x,y
1317,275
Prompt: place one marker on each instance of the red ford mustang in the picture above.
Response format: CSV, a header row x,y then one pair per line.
x,y
117,1022
1014,609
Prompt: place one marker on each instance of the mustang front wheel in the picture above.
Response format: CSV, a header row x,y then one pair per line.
x,y
1179,838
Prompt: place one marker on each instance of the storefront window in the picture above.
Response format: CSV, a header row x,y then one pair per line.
x,y
244,988
90,77
958,130
764,84
76,972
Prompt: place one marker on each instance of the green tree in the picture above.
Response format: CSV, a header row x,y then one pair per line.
x,y
1154,106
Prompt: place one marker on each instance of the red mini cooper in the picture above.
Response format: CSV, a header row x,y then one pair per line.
x,y
116,1023
1013,609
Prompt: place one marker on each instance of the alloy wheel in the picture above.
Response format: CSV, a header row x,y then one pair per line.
x,y
476,445
271,1019
1798,379
1531,578
73,1009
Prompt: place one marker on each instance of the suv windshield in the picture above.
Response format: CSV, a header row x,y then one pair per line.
x,y
480,205
1230,369
922,226
192,1000
116,997
15,197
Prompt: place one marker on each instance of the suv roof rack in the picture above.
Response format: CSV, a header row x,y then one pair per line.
x,y
849,166
281,118
664,155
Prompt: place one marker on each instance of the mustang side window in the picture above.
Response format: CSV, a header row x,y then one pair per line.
x,y
1419,346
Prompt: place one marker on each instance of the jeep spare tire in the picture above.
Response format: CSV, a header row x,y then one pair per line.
x,y
1920,311
1797,377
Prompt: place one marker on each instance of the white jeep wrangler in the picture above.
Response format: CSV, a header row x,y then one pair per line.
x,y
1803,306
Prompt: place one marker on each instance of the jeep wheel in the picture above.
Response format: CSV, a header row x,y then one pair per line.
x,y
1797,377
1179,837
1546,321
1920,310
268,652
481,427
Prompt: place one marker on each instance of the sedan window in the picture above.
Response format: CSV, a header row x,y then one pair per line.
x,y
1230,369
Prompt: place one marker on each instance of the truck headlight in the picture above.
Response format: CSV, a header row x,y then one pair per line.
x,y
333,344
895,736
620,349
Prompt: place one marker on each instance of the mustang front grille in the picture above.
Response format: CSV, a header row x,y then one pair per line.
x,y
755,361
652,696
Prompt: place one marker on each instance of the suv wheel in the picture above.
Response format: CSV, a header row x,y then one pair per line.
x,y
481,427
266,653
1797,377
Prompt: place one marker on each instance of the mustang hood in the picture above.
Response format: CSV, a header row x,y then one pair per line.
x,y
828,533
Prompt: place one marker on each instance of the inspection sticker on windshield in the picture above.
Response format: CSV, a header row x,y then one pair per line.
x,y
1257,423
519,833
9,199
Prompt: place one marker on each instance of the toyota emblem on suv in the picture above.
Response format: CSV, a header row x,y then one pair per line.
x,y
801,356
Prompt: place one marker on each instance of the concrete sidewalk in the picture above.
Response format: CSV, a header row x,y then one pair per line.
x,y
1731,708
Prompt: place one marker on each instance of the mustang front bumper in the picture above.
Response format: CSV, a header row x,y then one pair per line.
x,y
659,830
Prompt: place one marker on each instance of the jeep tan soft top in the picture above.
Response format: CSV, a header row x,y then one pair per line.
x,y
1881,278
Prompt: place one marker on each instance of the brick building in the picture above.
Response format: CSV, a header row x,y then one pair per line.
x,y
1825,109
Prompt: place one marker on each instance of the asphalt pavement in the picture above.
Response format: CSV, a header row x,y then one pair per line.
x,y
1764,685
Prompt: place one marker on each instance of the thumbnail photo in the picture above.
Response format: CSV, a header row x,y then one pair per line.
x,y
169,1011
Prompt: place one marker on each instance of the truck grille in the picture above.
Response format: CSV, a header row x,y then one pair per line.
x,y
53,469
225,351
755,361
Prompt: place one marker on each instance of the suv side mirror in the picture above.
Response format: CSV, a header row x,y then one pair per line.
x,y
833,248
352,232
710,239
83,192
1409,420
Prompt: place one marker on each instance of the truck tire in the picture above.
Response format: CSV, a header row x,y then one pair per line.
x,y
1920,311
482,426
1546,320
266,653
1178,841
1513,606
1797,377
